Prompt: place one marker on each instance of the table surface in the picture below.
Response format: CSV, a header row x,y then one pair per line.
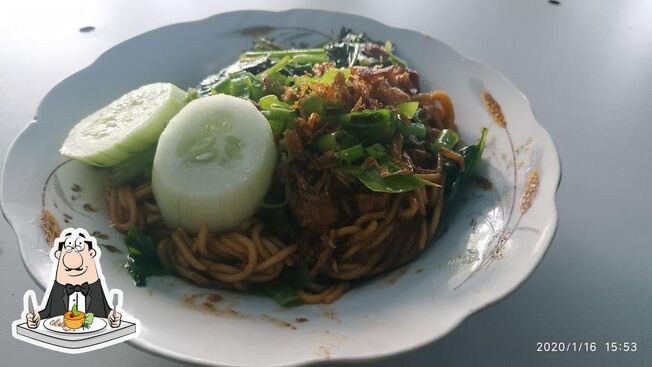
x,y
584,65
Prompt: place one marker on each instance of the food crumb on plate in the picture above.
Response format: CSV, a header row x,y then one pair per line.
x,y
329,313
277,322
395,275
214,297
208,305
324,351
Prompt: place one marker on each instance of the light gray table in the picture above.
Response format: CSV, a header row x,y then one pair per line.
x,y
586,67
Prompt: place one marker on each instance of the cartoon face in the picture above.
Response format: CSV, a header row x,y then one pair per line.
x,y
76,255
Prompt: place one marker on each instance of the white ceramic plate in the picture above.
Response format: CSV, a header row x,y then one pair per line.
x,y
485,253
56,324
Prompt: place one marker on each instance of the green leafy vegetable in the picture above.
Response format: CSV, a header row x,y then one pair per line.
x,y
455,178
292,278
348,50
142,257
389,49
344,54
473,153
283,294
390,184
395,182
219,80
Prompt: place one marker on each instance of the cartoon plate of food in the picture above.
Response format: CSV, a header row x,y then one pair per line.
x,y
75,322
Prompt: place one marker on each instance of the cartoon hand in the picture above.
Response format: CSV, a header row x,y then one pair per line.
x,y
33,320
114,318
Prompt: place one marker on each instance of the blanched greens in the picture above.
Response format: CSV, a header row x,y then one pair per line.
x,y
142,258
455,177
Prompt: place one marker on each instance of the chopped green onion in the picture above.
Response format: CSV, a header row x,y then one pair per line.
x,y
282,53
279,113
352,154
414,128
408,109
347,141
277,126
277,67
328,142
311,104
240,84
370,125
302,59
223,86
329,75
269,100
421,115
327,78
447,138
376,151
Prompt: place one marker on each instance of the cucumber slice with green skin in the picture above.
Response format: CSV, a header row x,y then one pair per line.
x,y
129,124
213,164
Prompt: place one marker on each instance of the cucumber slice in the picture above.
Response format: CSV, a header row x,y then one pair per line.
x,y
129,124
213,164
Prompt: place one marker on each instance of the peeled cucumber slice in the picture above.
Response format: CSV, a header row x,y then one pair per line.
x,y
129,124
213,164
